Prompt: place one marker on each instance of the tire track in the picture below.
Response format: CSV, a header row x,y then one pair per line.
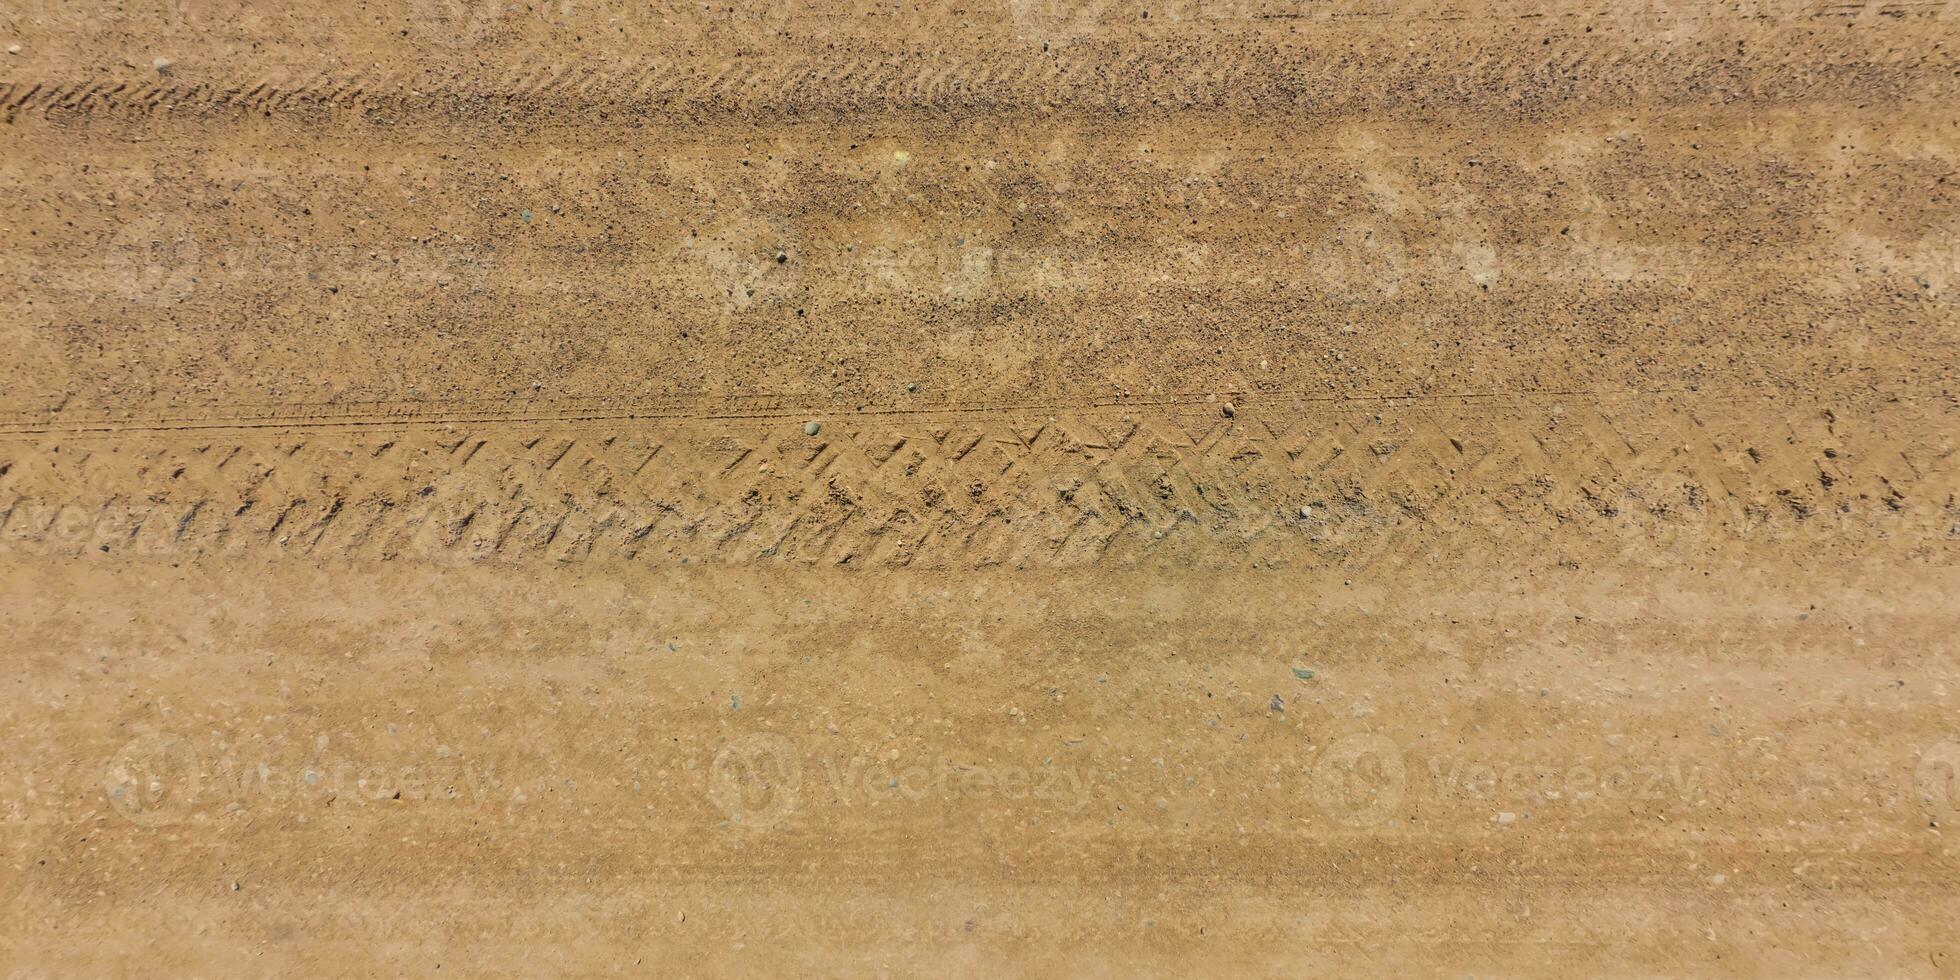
x,y
1347,482
759,407
1259,74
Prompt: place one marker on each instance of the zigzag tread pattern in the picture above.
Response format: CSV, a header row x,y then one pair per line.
x,y
1251,77
1083,487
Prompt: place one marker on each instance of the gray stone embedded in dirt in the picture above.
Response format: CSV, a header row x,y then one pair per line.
x,y
162,64
812,428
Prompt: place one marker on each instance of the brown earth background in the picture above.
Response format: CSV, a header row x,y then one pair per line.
x,y
1261,488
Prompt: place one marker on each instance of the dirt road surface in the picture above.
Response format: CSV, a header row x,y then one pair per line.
x,y
1260,488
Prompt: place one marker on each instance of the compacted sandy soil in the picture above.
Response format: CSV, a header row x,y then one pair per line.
x,y
1021,488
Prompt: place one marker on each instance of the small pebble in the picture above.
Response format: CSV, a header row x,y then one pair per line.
x,y
812,428
1229,410
13,49
161,64
1278,703
1306,512
1303,673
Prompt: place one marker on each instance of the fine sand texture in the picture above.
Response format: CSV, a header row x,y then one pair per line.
x,y
1267,488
